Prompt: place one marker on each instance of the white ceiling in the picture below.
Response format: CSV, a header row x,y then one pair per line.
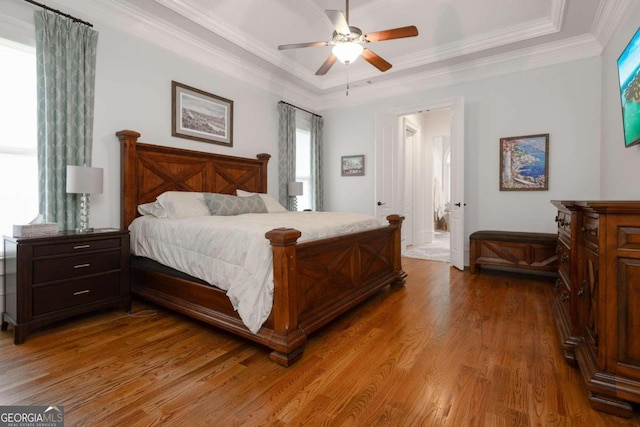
x,y
454,34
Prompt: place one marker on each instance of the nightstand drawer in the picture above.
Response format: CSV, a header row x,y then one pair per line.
x,y
47,299
48,270
75,247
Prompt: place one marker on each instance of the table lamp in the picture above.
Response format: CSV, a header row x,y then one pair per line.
x,y
294,190
84,180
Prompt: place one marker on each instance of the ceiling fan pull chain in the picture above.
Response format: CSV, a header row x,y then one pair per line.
x,y
347,79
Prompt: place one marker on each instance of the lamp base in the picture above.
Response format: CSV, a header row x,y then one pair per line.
x,y
84,214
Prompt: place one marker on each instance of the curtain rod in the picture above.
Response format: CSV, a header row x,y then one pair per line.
x,y
301,109
56,11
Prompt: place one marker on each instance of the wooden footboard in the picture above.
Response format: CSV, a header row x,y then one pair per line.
x,y
316,281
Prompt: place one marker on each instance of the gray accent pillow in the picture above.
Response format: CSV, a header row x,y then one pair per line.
x,y
225,204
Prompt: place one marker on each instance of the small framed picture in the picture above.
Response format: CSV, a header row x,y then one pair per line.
x,y
201,116
524,163
353,165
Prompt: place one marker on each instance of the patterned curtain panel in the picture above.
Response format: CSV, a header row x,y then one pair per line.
x,y
286,153
317,126
66,68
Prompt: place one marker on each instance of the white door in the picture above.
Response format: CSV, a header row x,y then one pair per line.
x,y
388,167
408,224
390,174
457,184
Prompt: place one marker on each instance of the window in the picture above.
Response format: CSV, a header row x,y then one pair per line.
x,y
18,121
303,160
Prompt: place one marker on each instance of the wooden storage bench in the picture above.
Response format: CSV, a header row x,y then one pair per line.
x,y
514,249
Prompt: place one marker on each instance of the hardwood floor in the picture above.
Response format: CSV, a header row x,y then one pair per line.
x,y
448,349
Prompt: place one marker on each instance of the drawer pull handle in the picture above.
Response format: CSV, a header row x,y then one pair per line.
x,y
86,291
82,265
82,247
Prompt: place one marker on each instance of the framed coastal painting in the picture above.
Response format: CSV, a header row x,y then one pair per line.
x,y
353,165
524,163
200,115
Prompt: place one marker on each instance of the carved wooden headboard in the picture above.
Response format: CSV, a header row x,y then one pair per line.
x,y
149,170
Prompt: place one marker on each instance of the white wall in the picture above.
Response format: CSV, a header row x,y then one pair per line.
x,y
133,91
620,166
562,100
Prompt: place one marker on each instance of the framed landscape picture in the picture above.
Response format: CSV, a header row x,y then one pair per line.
x,y
200,115
524,163
353,165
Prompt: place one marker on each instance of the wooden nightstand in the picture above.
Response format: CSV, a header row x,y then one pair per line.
x,y
54,277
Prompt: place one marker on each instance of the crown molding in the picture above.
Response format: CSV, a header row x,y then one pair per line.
x,y
576,48
556,13
516,33
130,19
527,30
535,28
243,39
609,16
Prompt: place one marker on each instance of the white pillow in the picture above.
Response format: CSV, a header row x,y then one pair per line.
x,y
271,203
152,209
183,204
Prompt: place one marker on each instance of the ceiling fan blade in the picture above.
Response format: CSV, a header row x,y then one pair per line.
x,y
339,21
375,60
395,33
327,65
297,45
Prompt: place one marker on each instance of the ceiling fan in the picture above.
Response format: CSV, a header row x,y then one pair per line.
x,y
349,43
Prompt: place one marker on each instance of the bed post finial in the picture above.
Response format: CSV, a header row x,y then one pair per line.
x,y
264,158
128,140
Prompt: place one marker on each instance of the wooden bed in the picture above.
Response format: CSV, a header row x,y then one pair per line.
x,y
314,281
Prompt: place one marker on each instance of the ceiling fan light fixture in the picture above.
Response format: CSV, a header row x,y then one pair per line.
x,y
347,52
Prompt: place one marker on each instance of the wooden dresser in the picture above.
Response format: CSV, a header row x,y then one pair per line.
x,y
55,277
597,298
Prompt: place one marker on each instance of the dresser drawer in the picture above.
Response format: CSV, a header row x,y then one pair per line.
x,y
75,247
48,270
590,224
563,294
564,259
47,299
563,219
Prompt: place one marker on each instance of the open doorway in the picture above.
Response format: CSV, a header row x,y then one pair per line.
x,y
390,169
427,184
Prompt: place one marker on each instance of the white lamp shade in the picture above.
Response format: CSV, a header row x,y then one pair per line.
x,y
295,189
347,52
84,179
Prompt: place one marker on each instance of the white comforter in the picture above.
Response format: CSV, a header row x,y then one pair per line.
x,y
232,253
